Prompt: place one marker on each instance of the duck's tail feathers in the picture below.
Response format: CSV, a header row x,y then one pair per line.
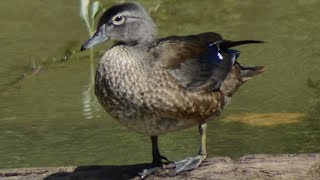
x,y
248,72
239,75
228,44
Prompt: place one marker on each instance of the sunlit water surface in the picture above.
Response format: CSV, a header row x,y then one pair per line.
x,y
50,118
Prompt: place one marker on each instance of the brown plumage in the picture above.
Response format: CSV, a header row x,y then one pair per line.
x,y
155,86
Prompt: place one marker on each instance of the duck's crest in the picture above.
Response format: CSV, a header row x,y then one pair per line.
x,y
114,10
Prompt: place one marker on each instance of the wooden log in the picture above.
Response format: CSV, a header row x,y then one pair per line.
x,y
282,166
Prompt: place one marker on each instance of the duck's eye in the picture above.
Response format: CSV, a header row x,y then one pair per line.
x,y
117,20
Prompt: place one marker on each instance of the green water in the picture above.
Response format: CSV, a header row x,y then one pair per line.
x,y
48,119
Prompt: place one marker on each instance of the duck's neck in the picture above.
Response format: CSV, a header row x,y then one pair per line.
x,y
143,47
142,44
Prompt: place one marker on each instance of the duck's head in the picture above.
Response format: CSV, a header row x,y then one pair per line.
x,y
128,23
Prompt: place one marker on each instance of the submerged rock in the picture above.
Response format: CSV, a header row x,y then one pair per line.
x,y
266,119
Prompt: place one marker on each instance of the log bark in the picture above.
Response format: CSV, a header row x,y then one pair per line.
x,y
282,166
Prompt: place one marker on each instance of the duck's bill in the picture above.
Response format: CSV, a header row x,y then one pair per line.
x,y
99,37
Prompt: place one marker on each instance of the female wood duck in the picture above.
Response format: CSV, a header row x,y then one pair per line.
x,y
155,86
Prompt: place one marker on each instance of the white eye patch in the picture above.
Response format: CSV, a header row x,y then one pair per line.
x,y
118,20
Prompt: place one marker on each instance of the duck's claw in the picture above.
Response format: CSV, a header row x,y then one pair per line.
x,y
158,160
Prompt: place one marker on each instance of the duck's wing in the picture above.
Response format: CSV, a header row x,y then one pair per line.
x,y
197,62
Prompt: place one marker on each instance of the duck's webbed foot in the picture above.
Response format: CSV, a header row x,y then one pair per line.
x,y
157,163
188,163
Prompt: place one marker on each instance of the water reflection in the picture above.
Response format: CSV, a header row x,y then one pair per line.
x,y
90,103
87,100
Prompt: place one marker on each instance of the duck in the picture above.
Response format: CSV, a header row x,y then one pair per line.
x,y
156,85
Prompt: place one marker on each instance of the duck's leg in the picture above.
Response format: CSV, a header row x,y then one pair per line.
x,y
193,162
157,159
